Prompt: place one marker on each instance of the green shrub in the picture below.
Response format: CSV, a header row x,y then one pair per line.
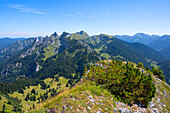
x,y
158,73
124,81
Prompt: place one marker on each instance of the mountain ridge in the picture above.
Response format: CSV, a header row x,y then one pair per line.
x,y
4,42
44,50
60,60
138,37
40,51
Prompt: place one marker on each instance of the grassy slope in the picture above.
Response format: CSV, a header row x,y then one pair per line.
x,y
49,52
78,99
27,104
4,100
164,98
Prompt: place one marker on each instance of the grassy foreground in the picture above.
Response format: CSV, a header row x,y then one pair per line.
x,y
84,97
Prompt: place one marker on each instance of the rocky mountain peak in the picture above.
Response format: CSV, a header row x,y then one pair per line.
x,y
141,35
36,39
83,33
64,34
55,34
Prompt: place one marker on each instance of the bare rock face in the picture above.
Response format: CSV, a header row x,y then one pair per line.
x,y
37,40
38,67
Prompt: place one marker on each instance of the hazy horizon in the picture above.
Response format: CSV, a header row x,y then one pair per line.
x,y
48,34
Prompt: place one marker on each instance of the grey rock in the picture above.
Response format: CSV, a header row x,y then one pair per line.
x,y
164,105
151,105
88,107
85,110
90,96
158,100
164,91
155,110
159,83
98,112
135,105
123,104
92,100
115,110
116,102
78,110
38,67
120,111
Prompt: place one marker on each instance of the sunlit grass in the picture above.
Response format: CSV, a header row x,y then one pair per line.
x,y
29,104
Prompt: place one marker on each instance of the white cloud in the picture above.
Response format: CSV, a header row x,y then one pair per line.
x,y
79,15
23,8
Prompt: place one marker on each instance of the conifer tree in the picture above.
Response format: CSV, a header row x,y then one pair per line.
x,y
3,108
147,68
27,97
33,106
33,91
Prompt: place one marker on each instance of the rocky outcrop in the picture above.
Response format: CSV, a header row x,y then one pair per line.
x,y
38,67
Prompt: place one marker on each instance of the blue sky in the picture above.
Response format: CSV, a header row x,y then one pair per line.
x,y
26,18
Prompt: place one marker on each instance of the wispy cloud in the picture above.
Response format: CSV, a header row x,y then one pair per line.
x,y
23,8
79,15
116,15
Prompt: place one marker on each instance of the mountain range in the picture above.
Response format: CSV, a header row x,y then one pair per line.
x,y
33,57
139,37
35,69
162,45
51,55
4,42
156,42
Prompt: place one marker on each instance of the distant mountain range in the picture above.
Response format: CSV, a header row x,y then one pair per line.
x,y
4,42
160,43
166,52
156,42
139,37
15,47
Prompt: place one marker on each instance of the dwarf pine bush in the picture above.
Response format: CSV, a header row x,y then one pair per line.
x,y
123,80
